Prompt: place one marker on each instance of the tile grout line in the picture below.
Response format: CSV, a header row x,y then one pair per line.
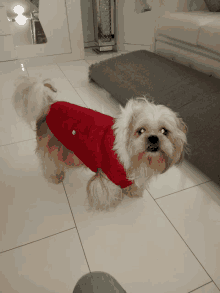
x,y
76,228
66,79
181,189
200,287
2,145
71,84
87,62
182,239
36,240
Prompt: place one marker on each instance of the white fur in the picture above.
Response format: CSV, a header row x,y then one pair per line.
x,y
124,130
122,125
102,193
30,97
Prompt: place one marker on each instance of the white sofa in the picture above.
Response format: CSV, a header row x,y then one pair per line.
x,y
191,38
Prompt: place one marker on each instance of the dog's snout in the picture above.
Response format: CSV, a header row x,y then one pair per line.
x,y
153,139
153,143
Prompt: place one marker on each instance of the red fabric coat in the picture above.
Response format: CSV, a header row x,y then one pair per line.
x,y
90,136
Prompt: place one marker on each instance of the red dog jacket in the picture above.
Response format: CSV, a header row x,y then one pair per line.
x,y
90,136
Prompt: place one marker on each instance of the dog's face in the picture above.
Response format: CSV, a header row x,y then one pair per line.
x,y
149,134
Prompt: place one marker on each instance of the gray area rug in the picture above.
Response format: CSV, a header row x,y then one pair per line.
x,y
193,94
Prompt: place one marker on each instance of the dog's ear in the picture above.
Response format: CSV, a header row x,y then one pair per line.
x,y
182,126
186,147
123,129
181,158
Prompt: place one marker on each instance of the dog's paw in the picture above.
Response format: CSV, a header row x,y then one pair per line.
x,y
133,191
58,178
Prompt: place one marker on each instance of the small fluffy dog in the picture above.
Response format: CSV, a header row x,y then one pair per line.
x,y
144,141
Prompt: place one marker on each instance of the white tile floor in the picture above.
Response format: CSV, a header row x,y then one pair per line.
x,y
167,241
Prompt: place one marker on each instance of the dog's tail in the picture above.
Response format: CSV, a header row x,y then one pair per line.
x,y
32,96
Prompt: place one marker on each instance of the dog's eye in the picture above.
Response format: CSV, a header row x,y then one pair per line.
x,y
164,131
141,131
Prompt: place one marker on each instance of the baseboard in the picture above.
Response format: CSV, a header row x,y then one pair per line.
x,y
89,44
133,47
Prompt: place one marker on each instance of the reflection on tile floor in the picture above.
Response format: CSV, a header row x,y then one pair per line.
x,y
167,241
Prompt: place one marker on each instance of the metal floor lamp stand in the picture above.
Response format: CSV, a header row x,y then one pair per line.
x,y
104,15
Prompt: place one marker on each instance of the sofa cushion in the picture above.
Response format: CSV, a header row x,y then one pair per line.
x,y
185,26
209,36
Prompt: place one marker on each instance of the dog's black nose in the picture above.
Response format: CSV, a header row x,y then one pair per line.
x,y
153,143
153,139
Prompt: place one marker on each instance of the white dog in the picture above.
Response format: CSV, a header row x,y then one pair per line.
x,y
144,141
